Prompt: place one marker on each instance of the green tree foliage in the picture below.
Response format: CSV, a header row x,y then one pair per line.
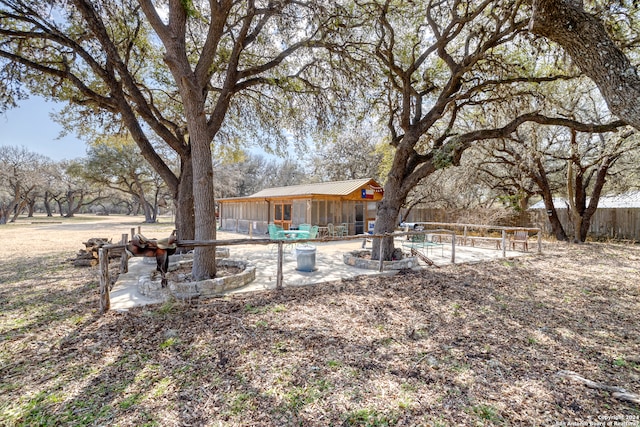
x,y
446,68
348,153
599,54
175,74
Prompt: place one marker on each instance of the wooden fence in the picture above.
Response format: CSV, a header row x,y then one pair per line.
x,y
105,301
606,223
468,235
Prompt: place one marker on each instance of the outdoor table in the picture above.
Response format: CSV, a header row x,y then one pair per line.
x,y
296,234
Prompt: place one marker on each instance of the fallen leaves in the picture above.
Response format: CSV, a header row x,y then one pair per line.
x,y
461,345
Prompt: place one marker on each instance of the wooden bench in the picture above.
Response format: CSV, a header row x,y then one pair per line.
x,y
439,237
496,240
520,237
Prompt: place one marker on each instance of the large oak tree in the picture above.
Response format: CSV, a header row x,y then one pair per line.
x,y
173,72
593,50
445,68
443,71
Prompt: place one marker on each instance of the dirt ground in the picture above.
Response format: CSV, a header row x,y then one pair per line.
x,y
502,343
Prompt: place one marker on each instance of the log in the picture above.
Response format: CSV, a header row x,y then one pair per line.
x,y
617,392
85,262
92,246
96,242
82,254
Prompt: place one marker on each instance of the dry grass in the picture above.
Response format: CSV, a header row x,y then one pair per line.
x,y
463,345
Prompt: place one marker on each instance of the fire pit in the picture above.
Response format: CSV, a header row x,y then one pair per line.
x,y
362,259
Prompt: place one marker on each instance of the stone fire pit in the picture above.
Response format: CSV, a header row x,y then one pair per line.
x,y
362,259
149,285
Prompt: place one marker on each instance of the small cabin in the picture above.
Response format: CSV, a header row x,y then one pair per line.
x,y
350,202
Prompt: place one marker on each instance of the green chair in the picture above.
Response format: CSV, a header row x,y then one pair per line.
x,y
304,227
420,242
276,232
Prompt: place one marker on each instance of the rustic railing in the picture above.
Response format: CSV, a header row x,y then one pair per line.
x,y
105,302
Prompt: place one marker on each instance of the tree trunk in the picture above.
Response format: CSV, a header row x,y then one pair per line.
x,y
155,207
146,207
71,204
387,218
586,40
31,207
590,210
4,214
183,199
576,219
573,182
541,180
552,214
47,204
204,257
19,208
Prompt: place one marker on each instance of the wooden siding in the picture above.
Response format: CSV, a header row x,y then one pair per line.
x,y
253,213
607,223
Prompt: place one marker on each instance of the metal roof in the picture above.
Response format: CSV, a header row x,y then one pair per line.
x,y
335,188
626,200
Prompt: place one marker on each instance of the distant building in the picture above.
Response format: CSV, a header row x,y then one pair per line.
x,y
340,202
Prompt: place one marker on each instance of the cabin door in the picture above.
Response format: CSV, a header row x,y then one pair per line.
x,y
359,218
282,215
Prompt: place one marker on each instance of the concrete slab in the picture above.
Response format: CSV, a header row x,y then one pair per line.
x,y
329,266
124,294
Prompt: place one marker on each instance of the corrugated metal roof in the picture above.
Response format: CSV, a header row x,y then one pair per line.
x,y
335,188
626,200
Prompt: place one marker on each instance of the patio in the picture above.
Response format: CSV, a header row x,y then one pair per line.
x,y
329,267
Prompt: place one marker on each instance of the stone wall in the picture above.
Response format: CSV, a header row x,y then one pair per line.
x,y
355,259
150,285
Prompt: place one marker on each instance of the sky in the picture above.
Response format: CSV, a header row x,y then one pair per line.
x,y
30,125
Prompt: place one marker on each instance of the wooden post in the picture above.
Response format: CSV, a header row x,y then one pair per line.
x,y
453,247
139,229
279,272
539,240
124,258
464,236
381,264
105,302
504,243
133,232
